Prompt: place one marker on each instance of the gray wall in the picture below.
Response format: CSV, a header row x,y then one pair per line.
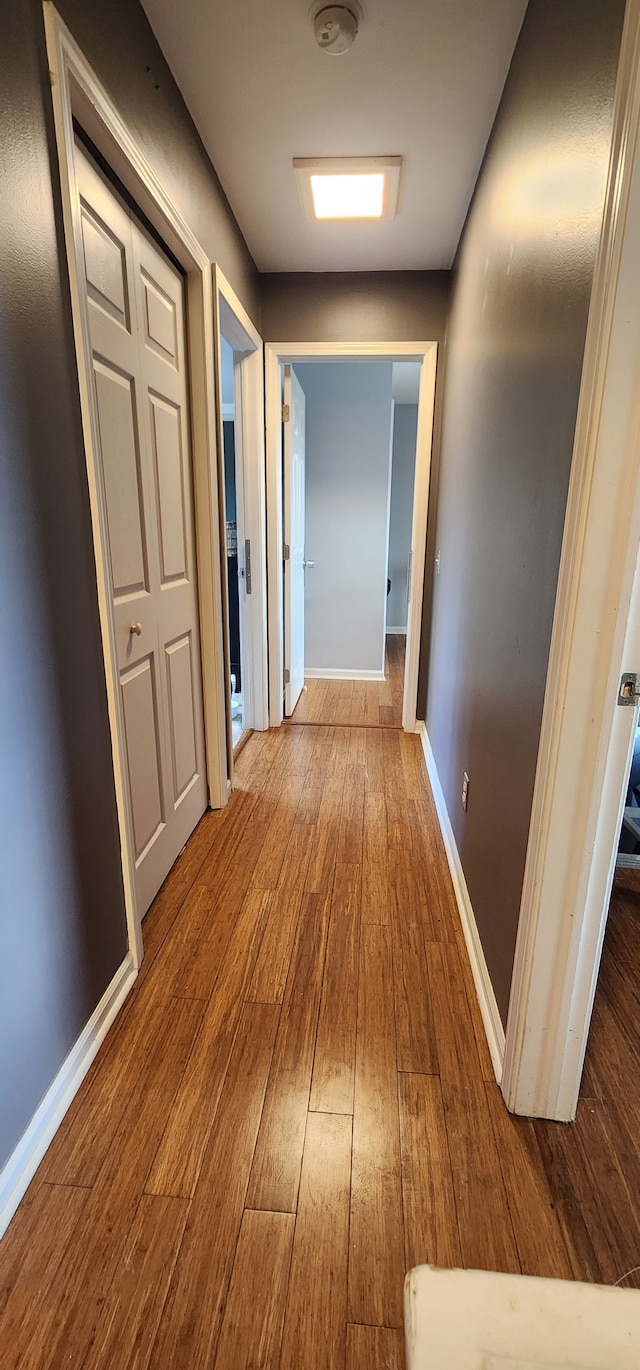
x,y
366,306
403,469
62,925
514,358
348,455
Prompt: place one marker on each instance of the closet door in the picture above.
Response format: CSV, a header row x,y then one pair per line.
x,y
136,324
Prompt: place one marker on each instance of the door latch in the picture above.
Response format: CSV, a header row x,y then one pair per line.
x,y
247,565
629,694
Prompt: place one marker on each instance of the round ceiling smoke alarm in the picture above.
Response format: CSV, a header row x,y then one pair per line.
x,y
336,28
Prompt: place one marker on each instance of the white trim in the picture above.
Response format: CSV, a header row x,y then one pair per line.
x,y
77,92
396,630
233,323
388,541
24,1160
317,673
484,989
276,353
586,740
415,583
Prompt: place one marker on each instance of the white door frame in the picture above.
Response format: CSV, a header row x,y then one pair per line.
x,y
275,354
587,740
233,323
77,93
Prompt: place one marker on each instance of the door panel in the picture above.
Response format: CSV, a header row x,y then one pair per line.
x,y
137,333
294,520
167,450
139,697
183,741
105,267
122,478
160,320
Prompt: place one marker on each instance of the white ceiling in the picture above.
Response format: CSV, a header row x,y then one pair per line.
x,y
423,80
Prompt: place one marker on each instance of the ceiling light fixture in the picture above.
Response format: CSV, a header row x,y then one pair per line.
x,y
348,187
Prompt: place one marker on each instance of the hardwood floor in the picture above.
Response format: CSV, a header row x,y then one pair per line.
x,y
296,1103
360,703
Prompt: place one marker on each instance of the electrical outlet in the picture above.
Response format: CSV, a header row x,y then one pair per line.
x,y
465,791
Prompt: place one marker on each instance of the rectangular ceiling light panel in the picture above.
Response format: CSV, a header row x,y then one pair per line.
x,y
348,187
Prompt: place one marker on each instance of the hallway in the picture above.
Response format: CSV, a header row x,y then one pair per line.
x,y
296,1104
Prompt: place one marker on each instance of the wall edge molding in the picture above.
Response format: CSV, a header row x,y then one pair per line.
x,y
491,1019
319,673
25,1158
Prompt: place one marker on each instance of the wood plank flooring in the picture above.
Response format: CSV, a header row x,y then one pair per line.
x,y
364,703
296,1103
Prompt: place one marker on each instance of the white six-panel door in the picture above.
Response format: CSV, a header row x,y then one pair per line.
x,y
137,334
294,519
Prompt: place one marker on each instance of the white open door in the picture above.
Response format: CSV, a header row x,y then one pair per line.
x,y
294,431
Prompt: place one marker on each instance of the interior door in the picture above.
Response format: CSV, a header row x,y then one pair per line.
x,y
294,452
136,327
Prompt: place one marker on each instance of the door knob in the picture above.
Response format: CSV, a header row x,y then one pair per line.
x,y
308,563
135,628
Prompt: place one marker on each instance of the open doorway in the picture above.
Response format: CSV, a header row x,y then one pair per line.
x,y
240,391
334,549
235,548
350,434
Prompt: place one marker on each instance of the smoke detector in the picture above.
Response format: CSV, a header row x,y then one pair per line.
x,y
335,28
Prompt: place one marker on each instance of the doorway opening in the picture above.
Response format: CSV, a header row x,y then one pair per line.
x,y
349,441
339,531
240,399
236,565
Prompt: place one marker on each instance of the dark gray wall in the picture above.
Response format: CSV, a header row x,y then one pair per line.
x,y
62,924
514,359
355,306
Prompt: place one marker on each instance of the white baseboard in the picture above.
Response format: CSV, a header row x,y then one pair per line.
x,y
396,630
24,1160
484,989
317,673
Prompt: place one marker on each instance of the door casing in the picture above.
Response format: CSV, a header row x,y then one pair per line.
x,y
294,527
275,354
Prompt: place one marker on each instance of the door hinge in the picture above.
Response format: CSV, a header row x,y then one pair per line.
x,y
629,694
286,551
287,676
286,413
